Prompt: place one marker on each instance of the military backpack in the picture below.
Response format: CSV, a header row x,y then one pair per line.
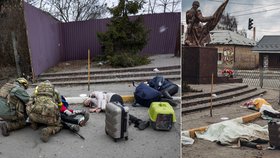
x,y
8,102
44,108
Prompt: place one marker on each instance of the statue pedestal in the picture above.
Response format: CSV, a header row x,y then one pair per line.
x,y
198,64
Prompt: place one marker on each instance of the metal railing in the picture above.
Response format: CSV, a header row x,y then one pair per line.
x,y
263,78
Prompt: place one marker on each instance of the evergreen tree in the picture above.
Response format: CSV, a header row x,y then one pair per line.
x,y
125,34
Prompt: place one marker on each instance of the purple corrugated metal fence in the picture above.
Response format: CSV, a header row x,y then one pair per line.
x,y
43,39
79,36
165,29
51,41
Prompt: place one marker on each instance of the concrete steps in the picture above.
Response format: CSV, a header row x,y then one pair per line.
x,y
228,96
106,71
110,75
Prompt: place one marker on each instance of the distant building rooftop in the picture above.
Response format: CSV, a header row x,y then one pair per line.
x,y
268,44
226,37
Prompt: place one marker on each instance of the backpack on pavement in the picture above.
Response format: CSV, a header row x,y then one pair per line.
x,y
166,87
145,95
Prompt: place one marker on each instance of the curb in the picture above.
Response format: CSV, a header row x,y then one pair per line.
x,y
245,119
80,100
109,81
126,99
113,70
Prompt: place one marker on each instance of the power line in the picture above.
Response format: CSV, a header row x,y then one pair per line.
x,y
235,2
253,8
269,31
257,12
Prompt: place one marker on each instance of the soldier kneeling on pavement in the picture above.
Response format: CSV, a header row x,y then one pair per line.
x,y
13,97
43,109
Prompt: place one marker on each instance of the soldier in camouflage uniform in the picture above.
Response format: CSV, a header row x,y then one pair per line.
x,y
13,98
43,109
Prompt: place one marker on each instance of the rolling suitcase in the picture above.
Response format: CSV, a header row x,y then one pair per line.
x,y
116,121
274,133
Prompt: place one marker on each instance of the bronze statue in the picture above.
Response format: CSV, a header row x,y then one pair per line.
x,y
197,33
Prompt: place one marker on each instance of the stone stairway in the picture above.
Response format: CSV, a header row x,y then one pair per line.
x,y
110,75
225,96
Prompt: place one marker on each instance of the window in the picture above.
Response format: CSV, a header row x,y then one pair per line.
x,y
219,56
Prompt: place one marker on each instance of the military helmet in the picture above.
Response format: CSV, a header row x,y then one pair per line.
x,y
195,3
23,82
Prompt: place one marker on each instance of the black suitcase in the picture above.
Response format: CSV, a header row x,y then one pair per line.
x,y
116,122
274,133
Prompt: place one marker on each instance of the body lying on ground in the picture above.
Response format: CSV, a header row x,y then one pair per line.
x,y
77,117
261,105
98,101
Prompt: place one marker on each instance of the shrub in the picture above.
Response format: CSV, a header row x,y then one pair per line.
x,y
127,60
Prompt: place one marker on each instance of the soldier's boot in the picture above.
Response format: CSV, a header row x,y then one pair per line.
x,y
45,135
83,120
4,128
34,125
50,130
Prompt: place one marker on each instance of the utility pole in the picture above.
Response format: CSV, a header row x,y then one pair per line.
x,y
250,26
254,33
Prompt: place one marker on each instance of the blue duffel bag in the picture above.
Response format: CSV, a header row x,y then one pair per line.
x,y
145,95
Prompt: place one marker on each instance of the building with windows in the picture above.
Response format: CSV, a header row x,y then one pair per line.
x,y
268,49
234,50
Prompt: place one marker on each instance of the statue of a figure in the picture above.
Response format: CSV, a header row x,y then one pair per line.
x,y
198,34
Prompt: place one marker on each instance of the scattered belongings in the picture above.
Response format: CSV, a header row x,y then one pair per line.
x,y
165,86
156,70
224,118
99,101
274,133
156,89
214,95
145,95
116,121
261,105
162,116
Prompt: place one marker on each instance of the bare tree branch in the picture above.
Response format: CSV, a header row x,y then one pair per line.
x,y
72,10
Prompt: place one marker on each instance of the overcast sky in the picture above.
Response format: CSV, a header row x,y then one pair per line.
x,y
158,7
266,14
